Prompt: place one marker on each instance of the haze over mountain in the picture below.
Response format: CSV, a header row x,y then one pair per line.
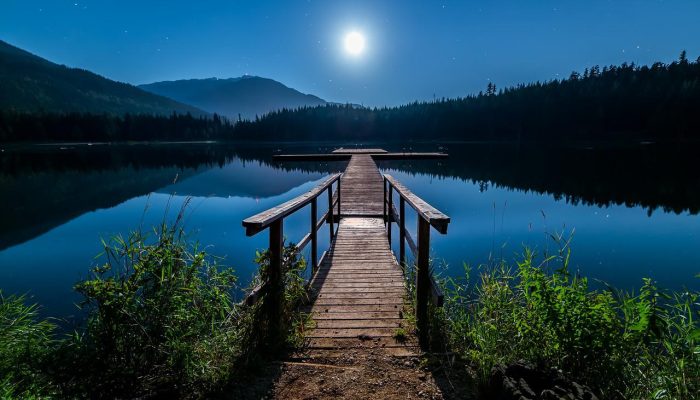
x,y
29,83
248,95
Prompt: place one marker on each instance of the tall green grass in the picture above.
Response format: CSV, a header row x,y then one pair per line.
x,y
25,343
161,321
643,345
161,317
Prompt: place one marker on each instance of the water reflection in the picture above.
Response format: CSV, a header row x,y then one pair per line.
x,y
653,177
57,204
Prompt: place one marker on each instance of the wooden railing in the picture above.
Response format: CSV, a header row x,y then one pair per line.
x,y
273,219
426,288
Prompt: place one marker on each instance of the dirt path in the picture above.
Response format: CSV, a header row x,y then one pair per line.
x,y
364,374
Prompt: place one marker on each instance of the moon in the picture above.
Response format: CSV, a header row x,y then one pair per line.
x,y
354,43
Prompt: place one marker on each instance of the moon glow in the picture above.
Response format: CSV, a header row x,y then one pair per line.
x,y
354,43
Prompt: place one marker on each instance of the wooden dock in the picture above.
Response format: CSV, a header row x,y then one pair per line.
x,y
358,286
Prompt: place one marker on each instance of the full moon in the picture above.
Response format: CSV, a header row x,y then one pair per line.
x,y
354,43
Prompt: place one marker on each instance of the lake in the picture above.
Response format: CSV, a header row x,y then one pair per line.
x,y
632,210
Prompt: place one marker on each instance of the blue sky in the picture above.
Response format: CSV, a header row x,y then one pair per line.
x,y
414,49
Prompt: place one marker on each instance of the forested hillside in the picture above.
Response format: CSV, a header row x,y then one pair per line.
x,y
32,84
659,102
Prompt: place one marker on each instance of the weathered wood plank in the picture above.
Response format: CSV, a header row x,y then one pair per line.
x,y
348,343
359,323
356,295
364,290
357,315
356,308
351,333
337,301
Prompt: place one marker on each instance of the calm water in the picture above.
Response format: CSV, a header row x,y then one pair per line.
x,y
633,209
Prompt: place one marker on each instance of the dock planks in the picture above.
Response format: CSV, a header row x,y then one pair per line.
x,y
362,188
359,288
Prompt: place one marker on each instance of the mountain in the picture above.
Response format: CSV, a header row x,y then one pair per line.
x,y
29,83
248,95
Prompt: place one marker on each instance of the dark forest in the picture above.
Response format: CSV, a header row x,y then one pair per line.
x,y
623,103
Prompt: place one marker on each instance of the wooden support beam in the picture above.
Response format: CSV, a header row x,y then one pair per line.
x,y
275,291
338,191
314,235
402,232
390,208
330,211
386,220
423,291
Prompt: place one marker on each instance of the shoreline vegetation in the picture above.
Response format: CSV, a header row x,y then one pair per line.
x,y
643,344
161,321
626,103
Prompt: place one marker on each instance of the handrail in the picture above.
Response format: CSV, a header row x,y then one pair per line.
x,y
262,220
437,219
273,219
426,288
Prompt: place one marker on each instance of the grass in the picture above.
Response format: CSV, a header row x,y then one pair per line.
x,y
400,335
25,342
161,321
639,345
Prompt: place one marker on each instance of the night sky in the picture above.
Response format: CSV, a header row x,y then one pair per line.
x,y
414,50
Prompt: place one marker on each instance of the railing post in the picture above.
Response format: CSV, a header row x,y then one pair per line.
x,y
339,199
314,238
402,232
423,281
384,201
390,210
330,209
275,289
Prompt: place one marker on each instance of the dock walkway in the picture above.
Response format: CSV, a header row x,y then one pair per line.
x,y
358,287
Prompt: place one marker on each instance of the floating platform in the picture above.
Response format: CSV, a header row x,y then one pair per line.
x,y
342,156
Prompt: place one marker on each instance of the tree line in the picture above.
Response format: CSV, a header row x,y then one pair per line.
x,y
80,127
626,102
612,103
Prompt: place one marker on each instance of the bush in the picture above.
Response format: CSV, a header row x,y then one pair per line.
x,y
161,318
624,345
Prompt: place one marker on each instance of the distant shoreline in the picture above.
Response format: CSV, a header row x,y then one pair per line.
x,y
587,145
